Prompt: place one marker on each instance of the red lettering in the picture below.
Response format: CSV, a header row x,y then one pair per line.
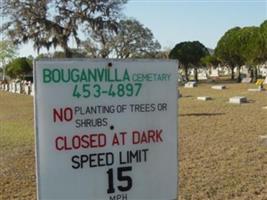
x,y
61,115
115,140
58,147
146,137
80,142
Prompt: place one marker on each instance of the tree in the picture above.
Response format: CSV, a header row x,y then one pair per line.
x,y
263,29
252,48
132,40
189,54
240,46
7,52
210,61
228,50
53,22
19,67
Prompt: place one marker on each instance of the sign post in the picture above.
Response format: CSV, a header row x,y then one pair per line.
x,y
106,129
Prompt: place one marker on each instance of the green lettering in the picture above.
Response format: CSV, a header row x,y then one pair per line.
x,y
126,76
56,75
46,75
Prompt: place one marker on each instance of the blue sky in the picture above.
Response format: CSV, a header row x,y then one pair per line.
x,y
174,21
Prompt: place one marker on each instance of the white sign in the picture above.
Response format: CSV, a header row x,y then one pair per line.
x,y
106,129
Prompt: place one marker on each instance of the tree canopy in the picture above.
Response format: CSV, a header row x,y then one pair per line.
x,y
7,52
189,53
210,61
53,22
19,67
132,40
239,46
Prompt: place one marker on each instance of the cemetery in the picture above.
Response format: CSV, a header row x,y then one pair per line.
x,y
94,107
221,144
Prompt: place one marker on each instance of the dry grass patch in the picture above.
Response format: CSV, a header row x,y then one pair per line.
x,y
219,153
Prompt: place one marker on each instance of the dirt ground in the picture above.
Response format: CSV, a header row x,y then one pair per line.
x,y
220,156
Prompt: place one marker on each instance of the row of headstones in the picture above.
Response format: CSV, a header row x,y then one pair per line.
x,y
192,84
203,74
234,100
19,87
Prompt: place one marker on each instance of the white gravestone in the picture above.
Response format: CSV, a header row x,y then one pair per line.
x,y
263,140
12,87
218,87
6,87
18,88
238,100
204,98
246,80
259,89
32,89
190,84
202,76
214,73
27,89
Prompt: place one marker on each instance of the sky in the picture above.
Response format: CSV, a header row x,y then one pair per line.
x,y
174,21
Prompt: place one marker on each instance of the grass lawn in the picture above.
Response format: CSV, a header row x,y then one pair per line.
x,y
220,156
17,164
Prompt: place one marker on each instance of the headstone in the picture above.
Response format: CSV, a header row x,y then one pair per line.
x,y
218,87
238,100
6,87
263,140
27,89
259,89
18,88
202,76
190,84
246,80
263,71
204,98
32,90
214,73
244,70
12,87
180,79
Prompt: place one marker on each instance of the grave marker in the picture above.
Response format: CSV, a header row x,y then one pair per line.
x,y
18,88
246,80
204,98
218,87
238,100
190,84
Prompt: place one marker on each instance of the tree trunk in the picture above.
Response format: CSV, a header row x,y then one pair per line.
x,y
68,53
232,73
239,74
186,73
195,74
255,74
